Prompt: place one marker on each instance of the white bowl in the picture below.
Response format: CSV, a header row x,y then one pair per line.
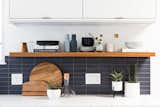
x,y
134,45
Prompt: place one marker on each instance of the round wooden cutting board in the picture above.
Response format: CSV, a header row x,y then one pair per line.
x,y
46,72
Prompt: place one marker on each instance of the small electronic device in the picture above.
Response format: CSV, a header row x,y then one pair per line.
x,y
87,44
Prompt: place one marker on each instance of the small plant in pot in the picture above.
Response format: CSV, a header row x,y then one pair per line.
x,y
132,86
117,83
54,91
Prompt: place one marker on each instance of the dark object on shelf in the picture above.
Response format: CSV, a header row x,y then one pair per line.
x,y
87,44
44,43
87,41
45,50
24,47
73,43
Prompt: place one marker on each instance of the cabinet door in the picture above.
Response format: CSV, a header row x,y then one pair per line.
x,y
119,8
138,8
45,9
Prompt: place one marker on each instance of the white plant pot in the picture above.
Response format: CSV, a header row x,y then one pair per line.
x,y
117,85
53,94
132,89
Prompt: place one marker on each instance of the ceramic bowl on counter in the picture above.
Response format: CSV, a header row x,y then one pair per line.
x,y
134,44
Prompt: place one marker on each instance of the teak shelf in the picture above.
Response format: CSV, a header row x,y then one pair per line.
x,y
82,54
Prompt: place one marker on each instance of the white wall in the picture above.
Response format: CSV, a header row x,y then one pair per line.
x,y
148,33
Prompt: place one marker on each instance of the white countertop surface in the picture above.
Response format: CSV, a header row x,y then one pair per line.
x,y
78,101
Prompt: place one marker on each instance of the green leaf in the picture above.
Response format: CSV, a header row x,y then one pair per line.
x,y
117,76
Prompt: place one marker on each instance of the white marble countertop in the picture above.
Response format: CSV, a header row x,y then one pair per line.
x,y
78,101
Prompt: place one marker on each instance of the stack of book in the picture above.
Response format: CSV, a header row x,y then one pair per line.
x,y
47,46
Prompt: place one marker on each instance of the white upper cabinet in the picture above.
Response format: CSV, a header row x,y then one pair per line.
x,y
36,9
82,10
127,9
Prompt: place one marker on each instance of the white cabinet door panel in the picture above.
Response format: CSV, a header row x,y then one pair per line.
x,y
138,8
119,9
101,8
45,8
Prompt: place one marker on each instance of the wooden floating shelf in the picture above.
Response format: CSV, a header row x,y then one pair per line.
x,y
82,54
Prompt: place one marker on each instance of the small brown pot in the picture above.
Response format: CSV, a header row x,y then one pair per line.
x,y
24,47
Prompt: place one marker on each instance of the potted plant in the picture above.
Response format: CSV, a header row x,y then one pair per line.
x,y
53,91
117,83
132,86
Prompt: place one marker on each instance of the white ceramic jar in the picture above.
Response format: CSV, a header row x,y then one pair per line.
x,y
110,47
132,89
117,85
53,94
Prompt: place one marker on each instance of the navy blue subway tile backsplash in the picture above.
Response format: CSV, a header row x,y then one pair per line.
x,y
77,67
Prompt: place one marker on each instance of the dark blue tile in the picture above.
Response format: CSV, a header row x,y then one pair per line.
x,y
14,60
93,60
4,71
28,61
25,79
92,89
145,83
80,60
67,67
15,70
3,88
40,60
4,75
80,89
4,92
66,60
4,83
3,66
14,92
55,60
144,92
4,79
105,89
80,68
17,66
27,69
6,59
15,87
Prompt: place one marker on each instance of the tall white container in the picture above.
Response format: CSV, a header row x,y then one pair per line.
x,y
132,89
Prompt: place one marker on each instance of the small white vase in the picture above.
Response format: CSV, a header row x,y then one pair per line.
x,y
132,89
53,94
117,85
110,47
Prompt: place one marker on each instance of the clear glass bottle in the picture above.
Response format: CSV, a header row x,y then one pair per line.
x,y
66,90
67,43
118,44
